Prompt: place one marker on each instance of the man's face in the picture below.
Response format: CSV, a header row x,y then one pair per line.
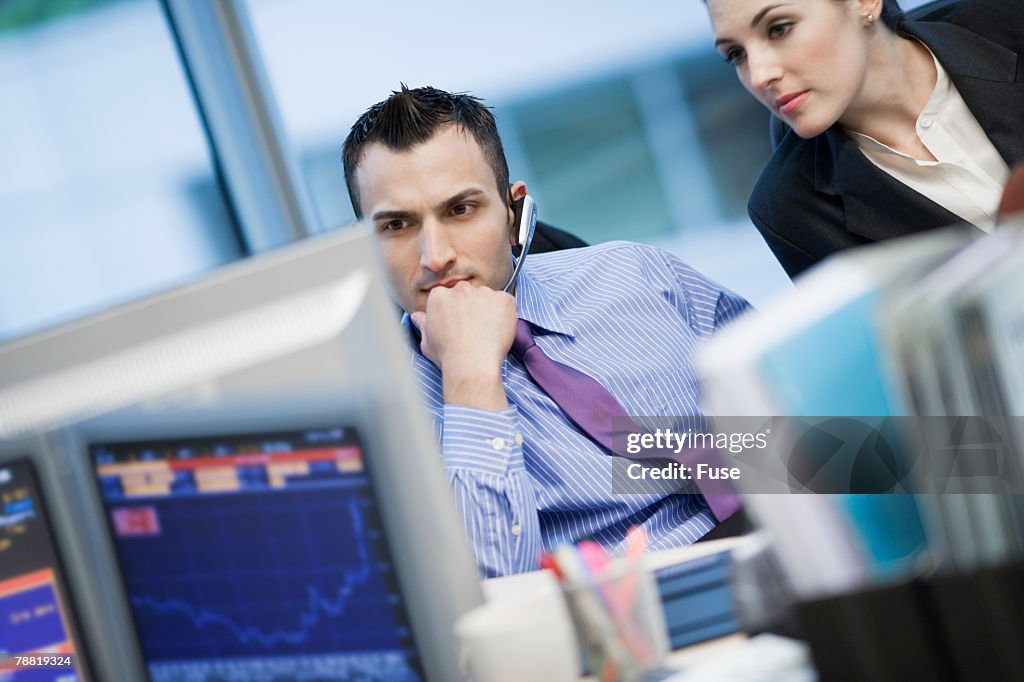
x,y
438,215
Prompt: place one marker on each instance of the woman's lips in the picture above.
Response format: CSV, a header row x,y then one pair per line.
x,y
787,104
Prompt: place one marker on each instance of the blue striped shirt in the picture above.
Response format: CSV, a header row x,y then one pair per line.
x,y
525,478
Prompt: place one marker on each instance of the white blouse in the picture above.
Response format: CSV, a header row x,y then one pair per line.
x,y
969,175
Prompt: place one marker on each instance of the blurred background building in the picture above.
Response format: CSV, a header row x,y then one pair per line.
x,y
122,134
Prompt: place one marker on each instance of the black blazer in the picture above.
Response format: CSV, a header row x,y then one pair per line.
x,y
818,196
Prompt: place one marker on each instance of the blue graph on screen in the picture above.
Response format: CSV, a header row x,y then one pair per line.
x,y
309,618
288,572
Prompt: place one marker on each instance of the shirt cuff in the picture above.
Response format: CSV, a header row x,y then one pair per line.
x,y
487,441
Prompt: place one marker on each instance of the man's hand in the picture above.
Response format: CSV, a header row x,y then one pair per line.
x,y
467,331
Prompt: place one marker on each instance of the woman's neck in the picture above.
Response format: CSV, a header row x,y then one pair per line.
x,y
900,80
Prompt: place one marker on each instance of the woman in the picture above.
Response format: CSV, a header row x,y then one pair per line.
x,y
896,126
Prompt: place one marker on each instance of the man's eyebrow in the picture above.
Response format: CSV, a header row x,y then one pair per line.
x,y
753,22
399,214
461,196
392,215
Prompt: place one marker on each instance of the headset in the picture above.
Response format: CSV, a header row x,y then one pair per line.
x,y
525,224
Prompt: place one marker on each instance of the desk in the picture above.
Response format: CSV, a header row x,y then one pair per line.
x,y
783,659
698,653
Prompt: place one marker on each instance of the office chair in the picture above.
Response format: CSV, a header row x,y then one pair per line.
x,y
549,238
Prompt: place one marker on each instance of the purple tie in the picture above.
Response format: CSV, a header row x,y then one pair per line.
x,y
594,410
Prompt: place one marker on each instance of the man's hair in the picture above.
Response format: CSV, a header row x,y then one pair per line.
x,y
411,117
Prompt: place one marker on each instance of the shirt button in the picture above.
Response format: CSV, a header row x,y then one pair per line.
x,y
498,443
519,439
926,123
516,530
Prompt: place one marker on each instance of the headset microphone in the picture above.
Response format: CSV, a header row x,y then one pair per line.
x,y
525,220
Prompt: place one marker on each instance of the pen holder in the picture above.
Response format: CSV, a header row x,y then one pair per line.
x,y
619,621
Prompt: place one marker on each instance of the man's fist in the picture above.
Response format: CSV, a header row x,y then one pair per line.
x,y
467,331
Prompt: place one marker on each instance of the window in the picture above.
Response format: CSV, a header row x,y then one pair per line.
x,y
592,167
107,185
623,123
731,125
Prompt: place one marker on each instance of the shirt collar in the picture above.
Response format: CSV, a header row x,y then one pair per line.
x,y
931,112
536,305
941,93
412,336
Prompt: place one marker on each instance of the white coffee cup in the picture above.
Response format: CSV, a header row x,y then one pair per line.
x,y
514,639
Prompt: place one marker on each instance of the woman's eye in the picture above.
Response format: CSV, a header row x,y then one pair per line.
x,y
780,29
734,56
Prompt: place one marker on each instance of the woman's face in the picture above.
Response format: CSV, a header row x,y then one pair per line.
x,y
805,60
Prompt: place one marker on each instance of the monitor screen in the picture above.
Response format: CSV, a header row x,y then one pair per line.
x,y
37,630
255,557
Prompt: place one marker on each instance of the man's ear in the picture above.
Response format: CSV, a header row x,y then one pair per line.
x,y
516,191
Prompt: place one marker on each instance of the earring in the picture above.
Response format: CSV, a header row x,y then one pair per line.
x,y
869,19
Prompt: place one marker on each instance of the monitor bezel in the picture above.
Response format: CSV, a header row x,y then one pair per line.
x,y
180,437
94,379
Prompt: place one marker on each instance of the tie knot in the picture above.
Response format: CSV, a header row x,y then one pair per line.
x,y
523,341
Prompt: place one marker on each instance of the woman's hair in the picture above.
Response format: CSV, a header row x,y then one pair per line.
x,y
892,15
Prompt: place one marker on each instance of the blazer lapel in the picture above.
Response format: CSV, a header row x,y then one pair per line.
x,y
875,204
989,77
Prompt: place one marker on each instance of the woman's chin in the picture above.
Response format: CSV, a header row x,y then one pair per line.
x,y
807,129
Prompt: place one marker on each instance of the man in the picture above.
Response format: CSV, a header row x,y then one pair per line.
x,y
428,170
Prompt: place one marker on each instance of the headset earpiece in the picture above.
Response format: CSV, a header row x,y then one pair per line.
x,y
524,223
518,233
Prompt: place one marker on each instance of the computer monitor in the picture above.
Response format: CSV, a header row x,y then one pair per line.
x,y
40,638
256,557
249,368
